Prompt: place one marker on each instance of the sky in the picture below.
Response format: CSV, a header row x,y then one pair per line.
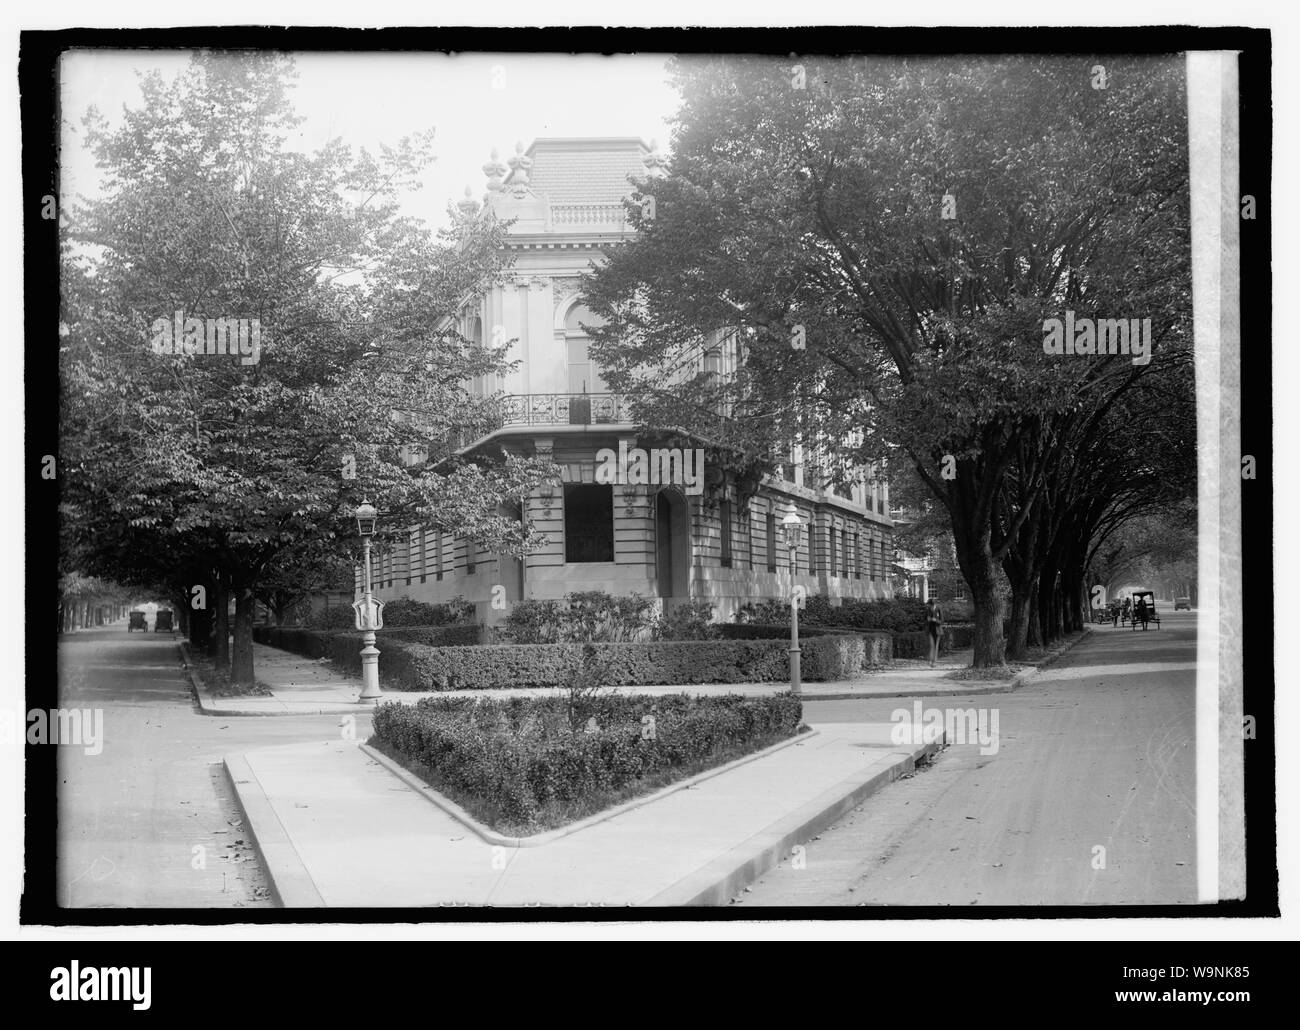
x,y
474,102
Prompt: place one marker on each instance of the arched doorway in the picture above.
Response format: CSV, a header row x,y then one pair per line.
x,y
672,545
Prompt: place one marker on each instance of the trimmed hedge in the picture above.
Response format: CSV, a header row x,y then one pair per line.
x,y
917,645
655,663
408,665
436,636
877,645
518,764
899,614
400,663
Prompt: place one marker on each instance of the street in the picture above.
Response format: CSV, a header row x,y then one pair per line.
x,y
1086,798
1097,753
149,821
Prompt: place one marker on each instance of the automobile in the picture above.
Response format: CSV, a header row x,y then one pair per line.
x,y
1182,602
136,620
164,621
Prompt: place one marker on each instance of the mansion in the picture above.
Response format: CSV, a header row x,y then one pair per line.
x,y
713,538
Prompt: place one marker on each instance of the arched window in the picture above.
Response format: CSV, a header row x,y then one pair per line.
x,y
584,374
480,385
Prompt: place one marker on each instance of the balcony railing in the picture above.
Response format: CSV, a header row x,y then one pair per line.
x,y
550,409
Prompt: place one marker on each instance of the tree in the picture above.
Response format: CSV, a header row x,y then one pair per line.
x,y
312,569
235,462
882,249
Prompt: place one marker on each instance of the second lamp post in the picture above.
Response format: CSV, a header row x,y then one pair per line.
x,y
792,528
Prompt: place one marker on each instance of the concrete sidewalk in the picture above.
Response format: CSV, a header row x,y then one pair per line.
x,y
304,686
335,828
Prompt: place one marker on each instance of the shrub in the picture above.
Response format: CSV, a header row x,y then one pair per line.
x,y
333,617
533,622
518,764
594,615
591,616
692,620
763,613
405,611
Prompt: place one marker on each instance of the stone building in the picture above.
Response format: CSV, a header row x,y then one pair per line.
x,y
719,539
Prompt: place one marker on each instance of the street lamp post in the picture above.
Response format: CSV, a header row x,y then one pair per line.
x,y
369,611
792,527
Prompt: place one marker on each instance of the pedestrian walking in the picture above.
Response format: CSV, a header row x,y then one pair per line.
x,y
933,626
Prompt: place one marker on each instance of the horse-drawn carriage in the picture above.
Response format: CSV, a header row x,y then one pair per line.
x,y
1144,609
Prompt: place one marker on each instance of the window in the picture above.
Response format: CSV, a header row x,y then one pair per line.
x,y
724,513
749,535
588,523
771,542
857,566
830,569
471,557
584,374
437,547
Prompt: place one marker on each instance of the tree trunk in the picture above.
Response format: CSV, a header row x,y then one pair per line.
x,y
1035,635
220,601
1073,590
200,628
1021,603
989,645
241,665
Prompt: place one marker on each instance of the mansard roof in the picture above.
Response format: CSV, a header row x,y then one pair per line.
x,y
584,170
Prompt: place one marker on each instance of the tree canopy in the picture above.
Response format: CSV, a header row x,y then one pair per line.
x,y
881,243
226,465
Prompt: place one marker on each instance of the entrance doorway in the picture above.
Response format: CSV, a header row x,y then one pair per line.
x,y
672,544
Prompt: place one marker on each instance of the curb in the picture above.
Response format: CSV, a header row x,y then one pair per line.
x,y
182,648
1000,688
290,883
1025,675
292,886
536,840
207,706
723,878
